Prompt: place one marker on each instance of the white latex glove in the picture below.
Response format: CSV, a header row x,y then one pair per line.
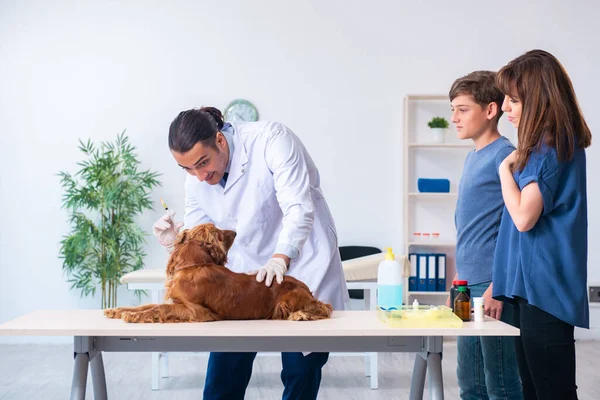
x,y
274,268
166,230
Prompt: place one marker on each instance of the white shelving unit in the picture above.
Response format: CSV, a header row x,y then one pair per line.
x,y
430,212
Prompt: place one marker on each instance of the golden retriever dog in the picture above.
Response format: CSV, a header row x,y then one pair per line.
x,y
202,289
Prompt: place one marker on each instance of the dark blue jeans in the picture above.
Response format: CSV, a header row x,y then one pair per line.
x,y
487,365
546,354
228,375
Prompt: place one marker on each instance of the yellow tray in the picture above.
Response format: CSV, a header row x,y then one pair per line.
x,y
420,317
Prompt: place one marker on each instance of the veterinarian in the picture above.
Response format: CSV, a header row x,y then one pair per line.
x,y
257,179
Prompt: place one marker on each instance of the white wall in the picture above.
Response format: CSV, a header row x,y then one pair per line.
x,y
334,71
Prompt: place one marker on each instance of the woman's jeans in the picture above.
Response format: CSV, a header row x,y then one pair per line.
x,y
545,353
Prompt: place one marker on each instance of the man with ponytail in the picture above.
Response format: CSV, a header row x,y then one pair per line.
x,y
257,179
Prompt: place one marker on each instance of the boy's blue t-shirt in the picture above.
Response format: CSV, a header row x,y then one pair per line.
x,y
547,265
478,211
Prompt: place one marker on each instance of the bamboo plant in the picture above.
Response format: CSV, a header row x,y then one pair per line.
x,y
103,199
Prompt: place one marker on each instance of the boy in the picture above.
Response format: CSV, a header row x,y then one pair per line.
x,y
487,366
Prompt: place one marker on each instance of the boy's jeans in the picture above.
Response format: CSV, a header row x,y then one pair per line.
x,y
487,366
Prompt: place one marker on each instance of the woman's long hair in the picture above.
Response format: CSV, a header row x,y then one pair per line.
x,y
550,111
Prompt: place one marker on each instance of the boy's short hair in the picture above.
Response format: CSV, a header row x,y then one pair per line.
x,y
481,86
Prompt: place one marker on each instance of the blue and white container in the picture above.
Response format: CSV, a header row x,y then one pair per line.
x,y
390,276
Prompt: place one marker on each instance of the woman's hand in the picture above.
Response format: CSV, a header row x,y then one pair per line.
x,y
509,160
492,307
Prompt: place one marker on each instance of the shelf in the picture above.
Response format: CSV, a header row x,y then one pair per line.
x,y
441,145
433,195
432,243
428,293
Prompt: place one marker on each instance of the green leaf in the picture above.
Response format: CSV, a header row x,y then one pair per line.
x,y
104,197
438,122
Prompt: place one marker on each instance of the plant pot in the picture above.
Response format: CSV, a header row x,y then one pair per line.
x,y
438,134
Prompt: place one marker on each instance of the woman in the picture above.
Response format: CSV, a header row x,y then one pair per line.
x,y
541,255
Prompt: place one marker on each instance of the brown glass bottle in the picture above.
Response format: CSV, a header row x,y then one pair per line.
x,y
462,304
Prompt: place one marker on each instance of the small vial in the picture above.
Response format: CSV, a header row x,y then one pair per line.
x,y
426,236
478,308
435,236
417,236
416,305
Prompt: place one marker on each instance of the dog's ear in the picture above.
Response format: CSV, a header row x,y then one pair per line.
x,y
182,237
228,237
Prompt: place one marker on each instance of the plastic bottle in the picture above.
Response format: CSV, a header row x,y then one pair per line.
x,y
390,275
416,305
478,309
454,290
462,304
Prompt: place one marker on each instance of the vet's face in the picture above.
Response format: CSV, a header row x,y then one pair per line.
x,y
205,243
207,163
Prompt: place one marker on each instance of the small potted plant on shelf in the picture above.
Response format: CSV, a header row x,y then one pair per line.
x,y
438,126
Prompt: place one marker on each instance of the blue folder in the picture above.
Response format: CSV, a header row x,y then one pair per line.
x,y
412,278
441,273
422,272
431,272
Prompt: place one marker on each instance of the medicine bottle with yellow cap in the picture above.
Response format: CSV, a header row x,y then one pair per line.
x,y
390,275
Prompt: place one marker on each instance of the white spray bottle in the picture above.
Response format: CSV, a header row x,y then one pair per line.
x,y
389,282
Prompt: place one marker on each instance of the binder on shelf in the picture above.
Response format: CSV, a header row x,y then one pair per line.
x,y
412,278
422,272
431,272
441,273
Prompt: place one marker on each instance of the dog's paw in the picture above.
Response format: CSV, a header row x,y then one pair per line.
x,y
140,317
131,317
112,313
307,315
301,316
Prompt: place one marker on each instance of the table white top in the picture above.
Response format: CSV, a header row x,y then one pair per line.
x,y
342,324
356,269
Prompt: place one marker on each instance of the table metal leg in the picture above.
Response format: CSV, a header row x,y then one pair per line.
x,y
374,364
374,371
367,301
155,385
98,376
155,370
80,371
436,382
417,384
164,365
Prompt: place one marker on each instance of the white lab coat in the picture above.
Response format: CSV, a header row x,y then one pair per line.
x,y
273,200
